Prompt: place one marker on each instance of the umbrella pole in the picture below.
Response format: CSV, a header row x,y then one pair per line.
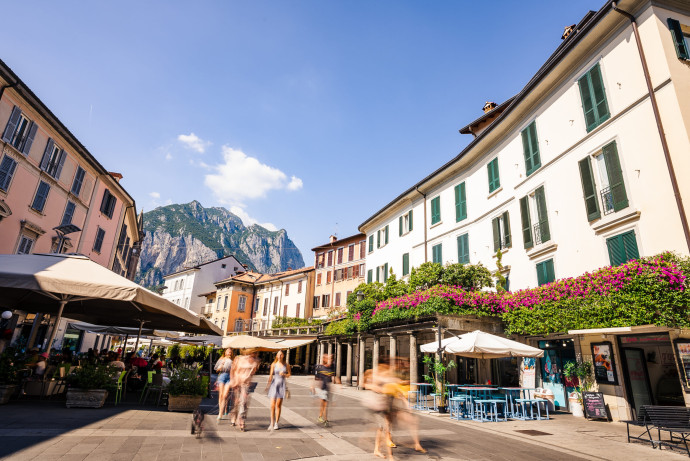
x,y
55,327
136,345
124,347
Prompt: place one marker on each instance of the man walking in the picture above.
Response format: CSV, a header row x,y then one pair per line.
x,y
323,377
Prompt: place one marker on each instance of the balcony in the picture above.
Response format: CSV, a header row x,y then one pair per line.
x,y
607,200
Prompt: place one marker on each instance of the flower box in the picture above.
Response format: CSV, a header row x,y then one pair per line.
x,y
6,392
86,398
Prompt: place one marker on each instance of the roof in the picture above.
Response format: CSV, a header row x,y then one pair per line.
x,y
339,242
495,112
257,278
582,28
198,266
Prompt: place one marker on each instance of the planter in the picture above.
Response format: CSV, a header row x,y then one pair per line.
x,y
575,406
6,392
183,402
86,398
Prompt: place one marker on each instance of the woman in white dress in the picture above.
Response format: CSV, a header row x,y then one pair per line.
x,y
277,387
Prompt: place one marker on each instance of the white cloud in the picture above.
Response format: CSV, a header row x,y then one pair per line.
x,y
248,220
241,177
155,195
168,156
193,142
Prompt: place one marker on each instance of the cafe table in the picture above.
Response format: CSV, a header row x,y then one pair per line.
x,y
423,390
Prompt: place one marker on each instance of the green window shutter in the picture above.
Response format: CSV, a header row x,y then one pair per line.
x,y
506,230
530,146
630,246
526,222
386,236
589,189
378,275
406,264
410,219
497,237
435,210
545,272
378,238
400,225
370,276
371,243
622,248
385,273
615,176
494,180
460,202
542,215
463,249
678,39
593,96
437,253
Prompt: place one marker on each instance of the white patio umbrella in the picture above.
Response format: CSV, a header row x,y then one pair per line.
x,y
250,342
80,289
480,345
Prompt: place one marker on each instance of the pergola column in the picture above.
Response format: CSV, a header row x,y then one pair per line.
x,y
330,348
306,358
414,373
348,366
393,347
360,370
338,367
375,355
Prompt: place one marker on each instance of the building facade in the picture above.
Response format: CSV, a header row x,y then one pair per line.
x,y
230,306
284,294
339,267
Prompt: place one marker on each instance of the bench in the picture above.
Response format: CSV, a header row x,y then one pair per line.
x,y
674,420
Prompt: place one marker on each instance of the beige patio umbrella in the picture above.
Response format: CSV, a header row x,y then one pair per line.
x,y
250,342
480,345
80,289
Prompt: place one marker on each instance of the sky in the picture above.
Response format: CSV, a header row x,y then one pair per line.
x,y
302,115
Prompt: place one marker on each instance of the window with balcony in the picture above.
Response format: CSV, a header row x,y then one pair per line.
x,y
19,131
535,220
53,159
501,232
68,214
607,187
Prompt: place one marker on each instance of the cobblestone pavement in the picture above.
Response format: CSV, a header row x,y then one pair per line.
x,y
46,430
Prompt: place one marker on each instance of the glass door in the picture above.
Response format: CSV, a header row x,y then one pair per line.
x,y
637,377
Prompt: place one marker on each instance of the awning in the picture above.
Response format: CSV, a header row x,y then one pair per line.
x,y
640,329
202,340
292,343
101,329
250,342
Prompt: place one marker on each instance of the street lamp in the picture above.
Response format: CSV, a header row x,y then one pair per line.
x,y
360,295
63,230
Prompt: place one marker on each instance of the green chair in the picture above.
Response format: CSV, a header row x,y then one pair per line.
x,y
121,382
148,382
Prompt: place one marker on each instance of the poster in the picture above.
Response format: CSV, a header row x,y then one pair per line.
x,y
683,351
604,366
529,372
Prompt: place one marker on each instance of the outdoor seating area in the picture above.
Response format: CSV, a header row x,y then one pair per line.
x,y
661,426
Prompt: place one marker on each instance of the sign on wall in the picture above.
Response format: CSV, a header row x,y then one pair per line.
x,y
604,365
683,352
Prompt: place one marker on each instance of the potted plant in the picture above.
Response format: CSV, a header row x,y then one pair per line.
x,y
88,386
186,389
10,366
437,379
582,372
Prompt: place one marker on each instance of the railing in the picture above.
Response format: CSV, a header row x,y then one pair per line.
x,y
536,234
607,200
285,331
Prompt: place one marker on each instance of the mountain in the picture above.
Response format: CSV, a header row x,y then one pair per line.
x,y
179,236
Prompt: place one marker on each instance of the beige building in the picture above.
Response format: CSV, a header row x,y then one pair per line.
x,y
339,268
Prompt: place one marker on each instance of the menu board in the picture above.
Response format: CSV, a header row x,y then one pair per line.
x,y
594,406
604,366
683,351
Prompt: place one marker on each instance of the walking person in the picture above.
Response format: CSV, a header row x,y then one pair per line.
x,y
241,375
277,387
223,368
323,376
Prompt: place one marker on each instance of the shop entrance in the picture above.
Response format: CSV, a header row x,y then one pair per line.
x,y
649,371
556,353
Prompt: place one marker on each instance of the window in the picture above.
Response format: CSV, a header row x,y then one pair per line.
x,y
533,210
287,289
328,277
69,213
330,258
316,302
622,248
108,203
681,40
241,305
545,272
361,270
382,273
225,304
265,307
382,237
351,252
318,279
41,196
340,255
337,275
460,202
437,253
326,301
464,249
275,306
98,243
53,159
7,168
530,147
181,284
256,305
406,264
362,249
593,96
501,231
239,325
355,270
350,271
297,310
20,131
337,300
494,179
371,243
319,260
25,245
405,223
222,324
370,275
299,287
285,310
611,189
78,181
435,210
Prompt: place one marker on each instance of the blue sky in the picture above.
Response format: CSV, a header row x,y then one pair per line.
x,y
303,115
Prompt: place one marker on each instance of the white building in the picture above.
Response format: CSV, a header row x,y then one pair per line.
x,y
572,173
184,287
284,294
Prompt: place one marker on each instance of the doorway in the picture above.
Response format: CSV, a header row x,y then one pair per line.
x,y
556,353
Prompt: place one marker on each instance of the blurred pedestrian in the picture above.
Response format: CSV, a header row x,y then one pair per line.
x,y
323,376
223,368
243,370
277,387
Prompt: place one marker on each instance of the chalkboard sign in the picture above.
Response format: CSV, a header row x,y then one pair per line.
x,y
594,406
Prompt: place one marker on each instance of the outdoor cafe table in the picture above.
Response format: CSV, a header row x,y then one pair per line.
x,y
519,397
422,393
513,394
474,393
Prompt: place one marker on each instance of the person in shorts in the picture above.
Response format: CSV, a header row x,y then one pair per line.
x,y
223,368
323,376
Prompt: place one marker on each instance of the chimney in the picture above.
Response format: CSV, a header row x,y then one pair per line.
x,y
117,176
489,106
332,238
567,31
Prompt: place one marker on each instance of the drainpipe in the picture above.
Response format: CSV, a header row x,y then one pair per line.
x,y
426,256
660,127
